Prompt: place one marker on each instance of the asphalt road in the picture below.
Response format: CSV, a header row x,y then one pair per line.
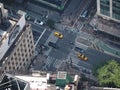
x,y
95,58
74,10
64,45
57,56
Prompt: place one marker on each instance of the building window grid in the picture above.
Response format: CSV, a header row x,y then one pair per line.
x,y
105,10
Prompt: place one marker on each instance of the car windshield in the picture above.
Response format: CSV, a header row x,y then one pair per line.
x,y
38,21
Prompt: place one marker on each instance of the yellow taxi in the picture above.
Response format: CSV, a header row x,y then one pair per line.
x,y
83,57
58,34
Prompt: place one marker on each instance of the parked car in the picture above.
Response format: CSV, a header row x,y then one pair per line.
x,y
54,45
82,56
36,21
79,49
58,34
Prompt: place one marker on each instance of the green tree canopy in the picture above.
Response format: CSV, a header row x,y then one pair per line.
x,y
109,74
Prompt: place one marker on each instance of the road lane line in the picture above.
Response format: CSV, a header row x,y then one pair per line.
x,y
40,37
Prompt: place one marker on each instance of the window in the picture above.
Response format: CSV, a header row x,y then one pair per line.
x,y
12,63
30,37
10,67
24,64
25,50
26,59
11,58
30,55
30,32
18,49
23,59
23,40
15,54
8,63
105,10
28,45
28,40
22,54
32,46
29,50
15,58
27,35
18,54
26,55
20,64
5,68
17,68
32,51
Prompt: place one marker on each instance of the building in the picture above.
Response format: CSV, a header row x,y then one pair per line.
x,y
38,80
9,82
16,42
109,9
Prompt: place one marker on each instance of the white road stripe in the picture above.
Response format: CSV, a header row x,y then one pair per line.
x,y
40,37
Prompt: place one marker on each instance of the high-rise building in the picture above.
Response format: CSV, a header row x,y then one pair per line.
x,y
16,42
109,9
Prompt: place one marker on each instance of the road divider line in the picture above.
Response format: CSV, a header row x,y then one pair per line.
x,y
40,37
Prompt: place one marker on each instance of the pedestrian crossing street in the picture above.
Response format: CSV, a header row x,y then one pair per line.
x,y
53,62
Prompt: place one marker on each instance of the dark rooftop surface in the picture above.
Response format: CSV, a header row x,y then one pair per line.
x,y
11,83
107,26
5,25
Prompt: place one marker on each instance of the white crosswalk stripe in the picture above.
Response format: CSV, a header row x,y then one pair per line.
x,y
51,61
58,63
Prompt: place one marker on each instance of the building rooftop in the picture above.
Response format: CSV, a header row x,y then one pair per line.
x,y
10,28
35,82
9,82
38,80
110,27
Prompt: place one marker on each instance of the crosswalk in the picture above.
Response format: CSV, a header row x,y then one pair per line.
x,y
79,26
75,60
53,62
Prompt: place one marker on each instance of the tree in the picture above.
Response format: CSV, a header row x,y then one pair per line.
x,y
109,74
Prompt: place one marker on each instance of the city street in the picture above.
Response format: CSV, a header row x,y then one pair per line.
x,y
57,56
71,26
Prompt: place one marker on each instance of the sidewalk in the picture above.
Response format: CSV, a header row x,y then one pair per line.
x,y
107,49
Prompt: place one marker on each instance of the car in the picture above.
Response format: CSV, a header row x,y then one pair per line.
x,y
58,34
54,45
82,56
36,21
79,49
27,17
